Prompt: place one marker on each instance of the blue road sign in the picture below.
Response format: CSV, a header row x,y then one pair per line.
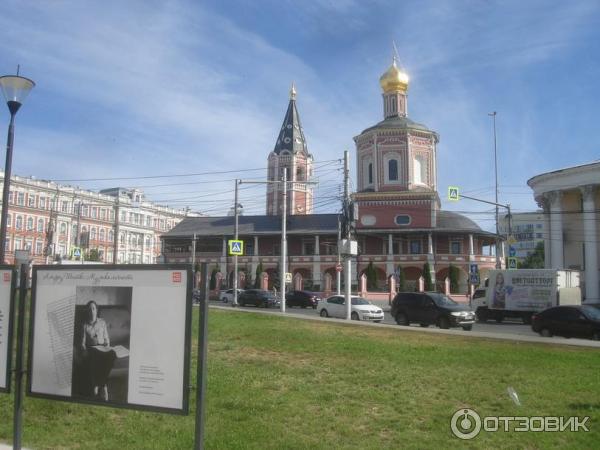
x,y
473,268
512,251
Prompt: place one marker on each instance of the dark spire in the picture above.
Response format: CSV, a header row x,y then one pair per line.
x,y
291,135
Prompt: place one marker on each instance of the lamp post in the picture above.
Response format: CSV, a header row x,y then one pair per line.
x,y
15,89
498,265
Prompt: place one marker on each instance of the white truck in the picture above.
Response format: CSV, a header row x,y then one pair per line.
x,y
522,292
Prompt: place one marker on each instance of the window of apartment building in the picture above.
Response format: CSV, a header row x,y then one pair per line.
x,y
111,215
162,224
40,225
155,222
111,236
28,244
8,221
18,244
122,238
64,206
39,247
63,228
21,198
101,234
31,200
122,216
94,213
415,247
148,221
103,214
42,203
11,197
93,234
455,247
7,245
148,241
84,210
19,223
30,224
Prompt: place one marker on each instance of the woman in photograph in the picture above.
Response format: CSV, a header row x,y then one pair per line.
x,y
96,345
499,298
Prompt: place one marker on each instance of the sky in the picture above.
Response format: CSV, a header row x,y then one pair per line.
x,y
180,98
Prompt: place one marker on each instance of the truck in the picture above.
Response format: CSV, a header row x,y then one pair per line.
x,y
522,292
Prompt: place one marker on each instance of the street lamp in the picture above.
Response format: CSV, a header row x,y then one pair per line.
x,y
15,89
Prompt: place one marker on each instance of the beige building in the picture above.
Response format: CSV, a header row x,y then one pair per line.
x,y
570,199
51,220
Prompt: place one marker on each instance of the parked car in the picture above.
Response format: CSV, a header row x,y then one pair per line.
x,y
431,308
258,297
361,309
227,296
302,299
568,321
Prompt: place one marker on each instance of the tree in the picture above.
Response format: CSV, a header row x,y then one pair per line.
x,y
93,255
259,270
401,279
534,260
453,275
427,277
371,276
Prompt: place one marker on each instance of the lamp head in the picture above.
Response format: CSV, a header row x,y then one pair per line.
x,y
15,89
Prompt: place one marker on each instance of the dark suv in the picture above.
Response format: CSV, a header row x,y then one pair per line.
x,y
430,308
258,297
302,298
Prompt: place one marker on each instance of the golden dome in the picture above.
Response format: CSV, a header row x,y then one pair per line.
x,y
394,79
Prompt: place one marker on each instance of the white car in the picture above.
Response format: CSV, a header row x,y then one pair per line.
x,y
362,309
227,296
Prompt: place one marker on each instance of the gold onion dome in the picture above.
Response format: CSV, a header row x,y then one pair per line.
x,y
394,79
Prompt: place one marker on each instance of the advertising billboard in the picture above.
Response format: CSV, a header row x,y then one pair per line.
x,y
114,335
7,289
522,290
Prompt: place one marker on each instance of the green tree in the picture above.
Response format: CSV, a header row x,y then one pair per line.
x,y
93,255
427,277
453,275
371,276
259,270
401,279
534,260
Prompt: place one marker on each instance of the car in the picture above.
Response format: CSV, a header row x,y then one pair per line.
x,y
227,296
361,309
431,308
582,321
258,297
302,299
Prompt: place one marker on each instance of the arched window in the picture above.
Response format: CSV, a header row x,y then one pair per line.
x,y
63,228
30,223
101,234
111,236
420,170
93,234
19,223
40,225
393,170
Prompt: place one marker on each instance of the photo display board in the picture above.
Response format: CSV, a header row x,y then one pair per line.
x,y
7,303
117,335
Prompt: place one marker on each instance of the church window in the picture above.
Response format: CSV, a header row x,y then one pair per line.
x,y
420,170
402,219
393,170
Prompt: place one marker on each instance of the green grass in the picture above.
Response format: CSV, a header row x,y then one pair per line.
x,y
282,383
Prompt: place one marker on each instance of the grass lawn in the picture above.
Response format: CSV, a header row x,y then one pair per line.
x,y
282,383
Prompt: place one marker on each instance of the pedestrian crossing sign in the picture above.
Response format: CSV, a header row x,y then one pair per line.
x,y
512,263
76,252
236,248
453,193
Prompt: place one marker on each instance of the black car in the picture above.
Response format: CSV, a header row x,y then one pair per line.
x,y
431,308
302,298
568,321
258,297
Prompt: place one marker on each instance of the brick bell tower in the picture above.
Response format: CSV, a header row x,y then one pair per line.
x,y
290,155
396,164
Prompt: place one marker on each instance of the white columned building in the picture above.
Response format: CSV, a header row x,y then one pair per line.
x,y
571,200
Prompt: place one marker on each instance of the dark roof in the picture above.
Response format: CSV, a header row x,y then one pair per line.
x,y
250,225
448,220
291,135
398,122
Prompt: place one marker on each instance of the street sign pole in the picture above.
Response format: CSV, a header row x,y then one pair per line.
x,y
19,371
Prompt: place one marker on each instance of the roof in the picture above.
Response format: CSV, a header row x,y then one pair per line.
x,y
451,221
291,136
398,122
251,225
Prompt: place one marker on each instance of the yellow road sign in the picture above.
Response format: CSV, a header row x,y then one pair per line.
x,y
236,248
453,193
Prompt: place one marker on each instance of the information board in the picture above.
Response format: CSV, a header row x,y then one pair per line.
x,y
114,335
7,303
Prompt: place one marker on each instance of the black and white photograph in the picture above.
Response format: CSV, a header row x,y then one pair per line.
x,y
101,338
117,336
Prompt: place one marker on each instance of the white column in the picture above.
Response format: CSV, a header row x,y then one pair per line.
x,y
256,246
317,250
591,245
471,248
430,244
390,245
546,235
556,230
224,250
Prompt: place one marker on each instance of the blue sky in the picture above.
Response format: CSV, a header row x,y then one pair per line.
x,y
145,88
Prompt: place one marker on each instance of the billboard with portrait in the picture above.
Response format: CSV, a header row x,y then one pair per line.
x,y
114,335
7,303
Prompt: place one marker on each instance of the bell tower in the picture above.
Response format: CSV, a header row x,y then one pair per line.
x,y
290,155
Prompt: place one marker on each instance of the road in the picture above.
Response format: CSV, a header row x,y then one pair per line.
x,y
505,330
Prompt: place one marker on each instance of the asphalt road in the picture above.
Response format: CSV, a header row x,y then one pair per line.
x,y
505,330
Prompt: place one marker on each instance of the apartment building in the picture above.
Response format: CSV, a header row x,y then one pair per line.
x,y
51,220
